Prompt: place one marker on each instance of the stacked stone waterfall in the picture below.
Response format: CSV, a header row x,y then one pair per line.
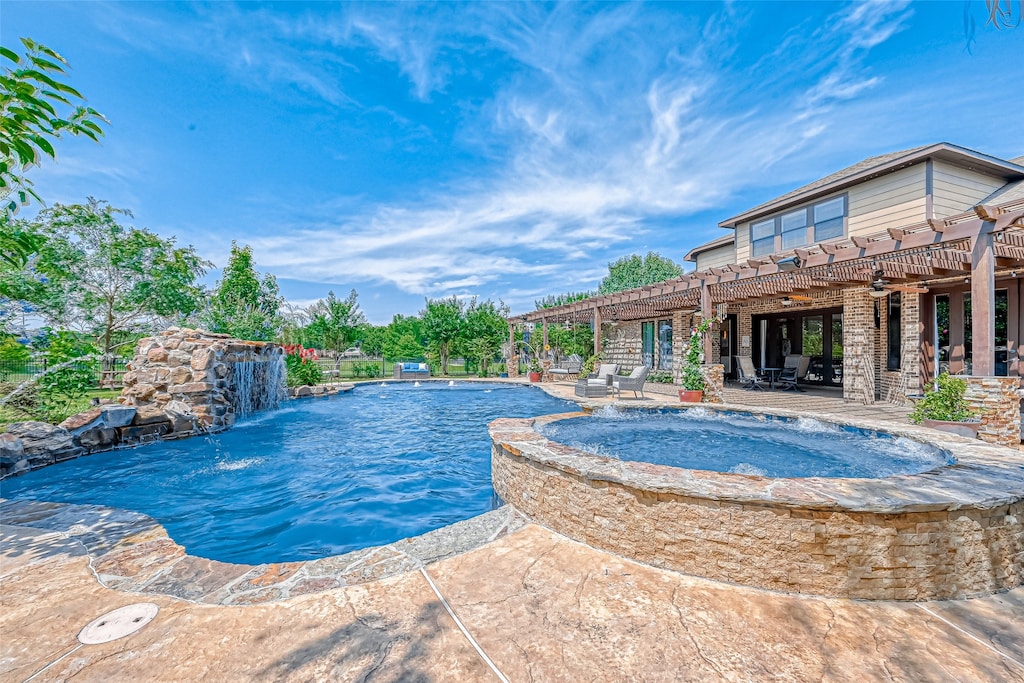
x,y
183,381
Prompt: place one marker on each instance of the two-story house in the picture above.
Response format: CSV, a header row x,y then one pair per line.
x,y
883,273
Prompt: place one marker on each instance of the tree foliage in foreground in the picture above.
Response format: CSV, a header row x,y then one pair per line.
x,y
245,305
101,277
633,271
36,108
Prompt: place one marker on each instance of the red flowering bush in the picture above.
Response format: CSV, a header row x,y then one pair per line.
x,y
301,365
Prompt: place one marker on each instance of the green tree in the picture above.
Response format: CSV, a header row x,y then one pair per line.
x,y
578,339
484,328
104,278
442,326
553,300
333,322
36,108
404,338
245,305
633,271
372,338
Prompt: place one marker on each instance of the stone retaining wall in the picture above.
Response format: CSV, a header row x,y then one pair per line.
x,y
998,400
954,533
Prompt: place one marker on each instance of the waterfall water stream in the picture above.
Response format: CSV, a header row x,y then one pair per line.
x,y
259,385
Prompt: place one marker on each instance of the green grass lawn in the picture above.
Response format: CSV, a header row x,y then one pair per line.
x,y
9,414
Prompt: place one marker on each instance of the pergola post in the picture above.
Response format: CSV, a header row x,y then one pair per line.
x,y
706,314
597,330
512,362
983,303
544,322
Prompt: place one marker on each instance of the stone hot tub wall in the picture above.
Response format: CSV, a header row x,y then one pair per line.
x,y
954,532
183,379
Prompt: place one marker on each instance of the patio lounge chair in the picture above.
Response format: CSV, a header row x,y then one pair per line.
x,y
634,381
569,368
597,384
795,370
749,378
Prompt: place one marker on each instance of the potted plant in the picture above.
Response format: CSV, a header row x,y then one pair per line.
x,y
692,378
945,407
535,370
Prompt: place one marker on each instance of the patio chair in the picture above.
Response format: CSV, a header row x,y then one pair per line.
x,y
749,378
634,381
597,384
795,370
569,368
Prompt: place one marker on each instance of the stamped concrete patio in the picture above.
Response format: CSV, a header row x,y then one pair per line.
x,y
497,599
532,606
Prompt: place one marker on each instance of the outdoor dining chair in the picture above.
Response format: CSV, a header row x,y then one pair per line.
x,y
634,381
749,378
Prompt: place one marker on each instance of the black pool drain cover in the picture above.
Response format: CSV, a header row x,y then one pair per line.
x,y
119,623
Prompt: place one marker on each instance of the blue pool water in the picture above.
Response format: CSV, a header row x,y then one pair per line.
x,y
704,439
319,477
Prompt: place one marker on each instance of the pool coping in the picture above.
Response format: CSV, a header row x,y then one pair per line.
x,y
131,552
983,476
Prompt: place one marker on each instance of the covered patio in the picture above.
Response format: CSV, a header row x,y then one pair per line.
x,y
880,294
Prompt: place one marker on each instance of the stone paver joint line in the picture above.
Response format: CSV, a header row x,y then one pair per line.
x,y
465,631
972,636
72,651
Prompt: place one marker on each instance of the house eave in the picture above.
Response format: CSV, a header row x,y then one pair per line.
x,y
961,156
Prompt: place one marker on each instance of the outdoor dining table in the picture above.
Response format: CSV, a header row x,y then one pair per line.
x,y
773,375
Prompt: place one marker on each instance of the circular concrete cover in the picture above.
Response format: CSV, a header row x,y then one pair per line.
x,y
122,622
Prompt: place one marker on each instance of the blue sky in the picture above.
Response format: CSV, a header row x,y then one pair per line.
x,y
497,149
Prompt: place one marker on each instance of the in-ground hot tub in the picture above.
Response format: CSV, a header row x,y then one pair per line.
x,y
950,526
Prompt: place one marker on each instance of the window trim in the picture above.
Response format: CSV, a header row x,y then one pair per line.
x,y
808,228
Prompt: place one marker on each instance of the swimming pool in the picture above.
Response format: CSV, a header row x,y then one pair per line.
x,y
319,477
742,443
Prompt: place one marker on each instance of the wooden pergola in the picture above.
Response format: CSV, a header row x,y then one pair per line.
x,y
977,245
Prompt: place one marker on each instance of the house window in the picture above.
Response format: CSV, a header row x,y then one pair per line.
x,y
647,343
815,223
762,237
794,229
664,344
828,219
894,332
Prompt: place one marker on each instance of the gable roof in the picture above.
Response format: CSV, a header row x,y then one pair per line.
x,y
1007,193
708,246
879,165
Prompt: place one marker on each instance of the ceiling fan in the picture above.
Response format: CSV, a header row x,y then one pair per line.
x,y
793,298
881,287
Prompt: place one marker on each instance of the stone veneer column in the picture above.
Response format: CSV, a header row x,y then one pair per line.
x,y
714,382
680,340
910,340
858,346
998,400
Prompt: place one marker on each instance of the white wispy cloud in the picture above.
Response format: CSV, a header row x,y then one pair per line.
x,y
604,118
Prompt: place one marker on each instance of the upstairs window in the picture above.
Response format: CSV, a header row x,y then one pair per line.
x,y
762,237
828,219
815,223
794,229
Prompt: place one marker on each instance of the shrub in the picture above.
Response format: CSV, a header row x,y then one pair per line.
x,y
301,366
947,402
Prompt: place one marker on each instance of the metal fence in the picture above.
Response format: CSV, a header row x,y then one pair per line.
x,y
335,369
109,373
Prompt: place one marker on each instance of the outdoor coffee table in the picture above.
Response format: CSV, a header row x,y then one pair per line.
x,y
588,390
